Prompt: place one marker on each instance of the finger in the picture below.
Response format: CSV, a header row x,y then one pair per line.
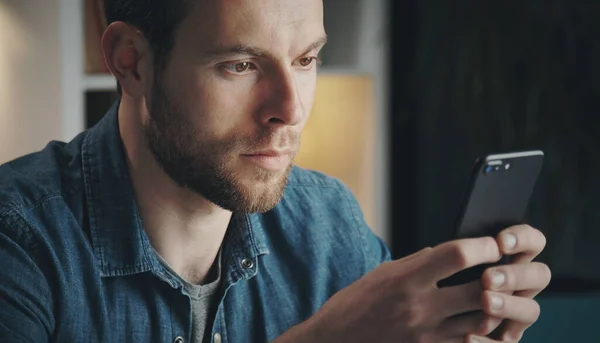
x,y
480,339
522,241
510,331
451,257
531,293
417,254
414,262
522,310
529,277
458,299
477,323
539,273
413,258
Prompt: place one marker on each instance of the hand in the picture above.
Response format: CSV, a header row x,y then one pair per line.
x,y
523,277
400,302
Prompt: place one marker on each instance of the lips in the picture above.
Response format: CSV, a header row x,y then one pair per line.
x,y
273,160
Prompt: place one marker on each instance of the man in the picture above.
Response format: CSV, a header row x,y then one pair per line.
x,y
179,217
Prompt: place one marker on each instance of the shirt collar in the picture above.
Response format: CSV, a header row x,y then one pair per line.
x,y
118,238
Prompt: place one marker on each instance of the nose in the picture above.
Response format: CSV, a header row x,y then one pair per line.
x,y
283,104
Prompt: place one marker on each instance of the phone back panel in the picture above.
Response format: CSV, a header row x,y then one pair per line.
x,y
498,196
495,200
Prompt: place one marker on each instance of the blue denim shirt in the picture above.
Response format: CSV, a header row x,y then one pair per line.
x,y
77,265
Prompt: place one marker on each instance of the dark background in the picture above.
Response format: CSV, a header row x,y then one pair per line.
x,y
473,77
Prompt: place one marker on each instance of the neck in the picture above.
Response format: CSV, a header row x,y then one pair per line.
x,y
184,228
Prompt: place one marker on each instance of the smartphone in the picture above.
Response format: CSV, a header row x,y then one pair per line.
x,y
497,198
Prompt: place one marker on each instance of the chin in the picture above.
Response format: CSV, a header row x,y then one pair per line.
x,y
263,183
263,190
252,174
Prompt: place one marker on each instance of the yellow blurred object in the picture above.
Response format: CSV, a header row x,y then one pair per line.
x,y
339,138
94,26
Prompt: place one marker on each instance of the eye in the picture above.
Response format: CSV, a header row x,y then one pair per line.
x,y
307,61
239,67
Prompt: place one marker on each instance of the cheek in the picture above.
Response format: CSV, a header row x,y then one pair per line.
x,y
212,105
306,89
225,107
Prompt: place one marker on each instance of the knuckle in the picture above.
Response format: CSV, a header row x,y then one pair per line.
x,y
490,246
468,252
512,336
487,302
460,254
387,267
413,314
487,325
510,279
412,321
486,299
425,252
488,277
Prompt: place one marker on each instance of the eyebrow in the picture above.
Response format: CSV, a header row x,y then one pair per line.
x,y
255,51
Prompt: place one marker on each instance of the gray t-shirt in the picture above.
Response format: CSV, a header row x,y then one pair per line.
x,y
202,298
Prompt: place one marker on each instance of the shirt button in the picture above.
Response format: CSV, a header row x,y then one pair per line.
x,y
217,338
179,339
247,263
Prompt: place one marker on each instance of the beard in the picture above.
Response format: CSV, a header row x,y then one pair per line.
x,y
195,160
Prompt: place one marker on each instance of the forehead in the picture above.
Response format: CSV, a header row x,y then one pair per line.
x,y
269,24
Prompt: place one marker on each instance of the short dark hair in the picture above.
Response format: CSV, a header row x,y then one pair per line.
x,y
157,19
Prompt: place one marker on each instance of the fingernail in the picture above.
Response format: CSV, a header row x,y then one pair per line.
x,y
510,241
498,279
474,340
496,302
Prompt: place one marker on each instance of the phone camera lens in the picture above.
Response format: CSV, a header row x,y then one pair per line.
x,y
489,169
507,166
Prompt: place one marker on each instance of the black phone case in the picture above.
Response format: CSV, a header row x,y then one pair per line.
x,y
494,201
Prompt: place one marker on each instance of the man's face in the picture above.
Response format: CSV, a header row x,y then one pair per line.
x,y
225,116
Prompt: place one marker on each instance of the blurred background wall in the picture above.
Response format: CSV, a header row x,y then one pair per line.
x,y
30,76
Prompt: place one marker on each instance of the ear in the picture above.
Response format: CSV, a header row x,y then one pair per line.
x,y
128,57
